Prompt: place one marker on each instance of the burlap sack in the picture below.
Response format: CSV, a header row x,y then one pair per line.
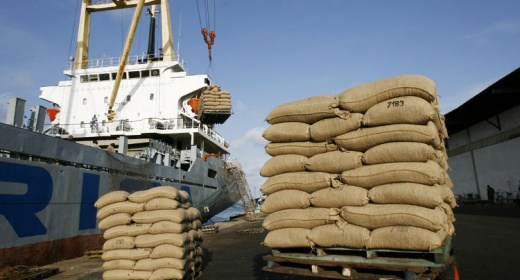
x,y
334,162
405,238
121,242
372,216
360,98
283,164
365,138
126,254
119,207
332,127
126,230
168,227
168,251
304,181
447,195
339,197
154,264
368,176
285,199
288,238
339,234
154,240
111,197
162,203
115,220
401,110
287,132
406,193
118,264
146,195
167,273
307,110
119,274
307,149
400,152
192,213
300,218
153,216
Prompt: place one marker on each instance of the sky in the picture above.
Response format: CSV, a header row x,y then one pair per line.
x,y
269,52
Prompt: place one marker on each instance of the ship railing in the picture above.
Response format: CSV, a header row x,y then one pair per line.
x,y
109,61
126,126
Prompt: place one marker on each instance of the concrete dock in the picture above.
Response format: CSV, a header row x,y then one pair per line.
x,y
486,246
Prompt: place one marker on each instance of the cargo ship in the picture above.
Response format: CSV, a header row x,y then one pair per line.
x,y
126,123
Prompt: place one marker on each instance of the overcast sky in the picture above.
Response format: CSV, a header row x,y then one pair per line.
x,y
268,52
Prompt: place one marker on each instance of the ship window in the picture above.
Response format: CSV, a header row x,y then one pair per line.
x,y
93,78
82,124
155,72
128,97
114,75
105,100
212,173
84,101
83,78
145,73
133,74
151,96
104,77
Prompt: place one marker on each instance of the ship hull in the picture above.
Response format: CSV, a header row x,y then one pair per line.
x,y
48,187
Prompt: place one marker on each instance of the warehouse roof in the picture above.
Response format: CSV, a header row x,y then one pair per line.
x,y
500,96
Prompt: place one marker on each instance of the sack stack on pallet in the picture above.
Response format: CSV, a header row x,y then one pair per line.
x,y
363,169
214,105
150,234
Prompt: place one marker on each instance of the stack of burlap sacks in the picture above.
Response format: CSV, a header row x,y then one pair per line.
x,y
214,99
363,169
150,234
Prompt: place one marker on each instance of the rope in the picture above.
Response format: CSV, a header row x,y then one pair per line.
x,y
73,29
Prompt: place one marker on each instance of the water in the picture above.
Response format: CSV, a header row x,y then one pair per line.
x,y
235,210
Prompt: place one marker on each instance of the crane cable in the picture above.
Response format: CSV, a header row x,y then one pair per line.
x,y
207,33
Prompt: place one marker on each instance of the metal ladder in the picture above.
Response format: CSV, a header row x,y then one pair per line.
x,y
243,188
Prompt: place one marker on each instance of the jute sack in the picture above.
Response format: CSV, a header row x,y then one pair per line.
x,y
184,197
154,240
340,196
111,197
121,242
193,213
119,207
339,234
405,238
372,216
118,264
447,195
162,203
168,227
115,220
401,110
285,199
196,224
126,230
287,132
400,152
161,191
332,127
368,176
167,273
119,274
366,138
406,193
126,254
283,164
168,251
359,98
153,216
303,181
288,238
300,218
307,149
154,264
334,162
307,110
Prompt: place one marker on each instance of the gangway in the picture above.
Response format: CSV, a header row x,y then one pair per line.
x,y
243,188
